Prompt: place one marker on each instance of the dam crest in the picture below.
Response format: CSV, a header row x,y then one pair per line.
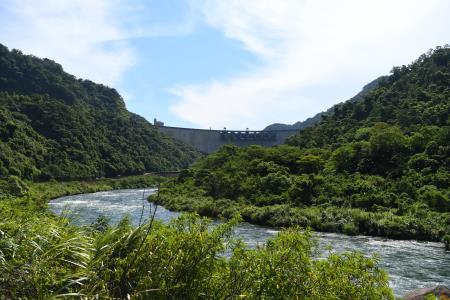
x,y
209,140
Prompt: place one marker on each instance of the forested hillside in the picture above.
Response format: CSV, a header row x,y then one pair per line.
x,y
376,166
53,125
415,99
318,117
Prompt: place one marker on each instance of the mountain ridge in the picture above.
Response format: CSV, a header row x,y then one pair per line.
x,y
318,117
54,125
379,166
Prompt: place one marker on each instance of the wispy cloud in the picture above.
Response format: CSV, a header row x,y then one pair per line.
x,y
83,35
90,38
307,45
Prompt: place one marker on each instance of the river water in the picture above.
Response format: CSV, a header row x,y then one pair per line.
x,y
410,264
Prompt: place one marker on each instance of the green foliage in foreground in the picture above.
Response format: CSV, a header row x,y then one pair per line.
x,y
376,166
53,125
43,256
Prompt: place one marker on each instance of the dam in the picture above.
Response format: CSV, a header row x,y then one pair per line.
x,y
208,140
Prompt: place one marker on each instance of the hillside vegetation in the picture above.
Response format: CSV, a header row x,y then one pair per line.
x,y
377,166
318,117
53,125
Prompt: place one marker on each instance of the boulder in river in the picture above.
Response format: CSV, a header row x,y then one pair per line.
x,y
439,292
446,241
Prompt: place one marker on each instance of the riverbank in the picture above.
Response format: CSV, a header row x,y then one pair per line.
x,y
35,195
43,256
421,225
53,189
410,264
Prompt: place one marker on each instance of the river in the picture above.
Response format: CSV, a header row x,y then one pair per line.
x,y
410,264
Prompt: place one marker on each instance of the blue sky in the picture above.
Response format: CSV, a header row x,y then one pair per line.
x,y
187,59
234,63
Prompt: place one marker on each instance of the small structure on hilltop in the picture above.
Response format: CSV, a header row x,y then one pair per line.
x,y
157,123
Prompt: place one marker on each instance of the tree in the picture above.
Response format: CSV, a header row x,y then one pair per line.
x,y
300,191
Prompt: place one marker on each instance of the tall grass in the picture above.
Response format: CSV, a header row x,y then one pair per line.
x,y
44,257
41,259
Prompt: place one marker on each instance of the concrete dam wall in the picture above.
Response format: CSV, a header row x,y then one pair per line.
x,y
207,141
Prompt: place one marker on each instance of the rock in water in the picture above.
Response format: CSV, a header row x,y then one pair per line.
x,y
439,292
446,240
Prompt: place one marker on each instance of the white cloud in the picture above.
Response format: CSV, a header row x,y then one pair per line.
x,y
84,36
307,46
90,38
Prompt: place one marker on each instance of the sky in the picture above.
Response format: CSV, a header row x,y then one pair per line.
x,y
234,63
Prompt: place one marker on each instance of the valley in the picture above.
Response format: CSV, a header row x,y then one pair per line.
x,y
371,175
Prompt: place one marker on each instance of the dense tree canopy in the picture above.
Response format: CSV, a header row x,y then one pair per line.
x,y
53,125
414,98
377,166
318,117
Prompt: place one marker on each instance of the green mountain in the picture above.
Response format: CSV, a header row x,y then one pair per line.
x,y
415,98
53,125
318,117
379,165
